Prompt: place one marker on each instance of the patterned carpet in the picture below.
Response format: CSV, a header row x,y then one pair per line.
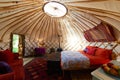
x,y
41,69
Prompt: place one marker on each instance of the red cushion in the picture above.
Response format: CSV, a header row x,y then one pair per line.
x,y
91,50
16,55
104,53
6,56
2,56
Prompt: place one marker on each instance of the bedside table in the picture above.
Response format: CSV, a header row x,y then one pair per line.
x,y
99,74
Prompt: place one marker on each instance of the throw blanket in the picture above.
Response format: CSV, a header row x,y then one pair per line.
x,y
73,60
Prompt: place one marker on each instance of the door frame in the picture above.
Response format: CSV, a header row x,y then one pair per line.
x,y
21,42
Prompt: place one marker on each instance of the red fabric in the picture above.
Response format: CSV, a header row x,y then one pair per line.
x,y
104,53
16,55
18,69
2,56
15,63
96,60
9,56
91,50
8,76
100,33
6,56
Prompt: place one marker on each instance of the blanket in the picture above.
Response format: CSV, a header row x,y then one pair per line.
x,y
74,60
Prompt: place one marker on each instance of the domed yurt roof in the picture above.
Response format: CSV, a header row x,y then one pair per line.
x,y
73,23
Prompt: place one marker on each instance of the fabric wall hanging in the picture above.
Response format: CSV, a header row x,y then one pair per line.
x,y
100,33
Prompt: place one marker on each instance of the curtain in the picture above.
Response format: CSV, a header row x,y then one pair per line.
x,y
100,33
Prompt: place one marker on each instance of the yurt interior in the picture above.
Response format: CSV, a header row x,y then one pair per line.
x,y
59,39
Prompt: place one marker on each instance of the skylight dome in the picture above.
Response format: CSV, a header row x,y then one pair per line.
x,y
55,9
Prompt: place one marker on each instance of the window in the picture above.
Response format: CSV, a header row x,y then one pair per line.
x,y
55,9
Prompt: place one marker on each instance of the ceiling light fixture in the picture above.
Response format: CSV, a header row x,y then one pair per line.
x,y
55,9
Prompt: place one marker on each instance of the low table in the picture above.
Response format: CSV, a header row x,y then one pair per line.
x,y
99,74
54,66
53,63
53,56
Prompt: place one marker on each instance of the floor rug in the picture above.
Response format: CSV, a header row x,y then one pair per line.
x,y
41,69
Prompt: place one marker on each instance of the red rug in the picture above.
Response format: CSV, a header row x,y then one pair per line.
x,y
37,69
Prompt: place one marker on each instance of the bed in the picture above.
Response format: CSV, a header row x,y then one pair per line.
x,y
90,57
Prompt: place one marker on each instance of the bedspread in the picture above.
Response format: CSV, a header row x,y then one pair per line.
x,y
74,60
